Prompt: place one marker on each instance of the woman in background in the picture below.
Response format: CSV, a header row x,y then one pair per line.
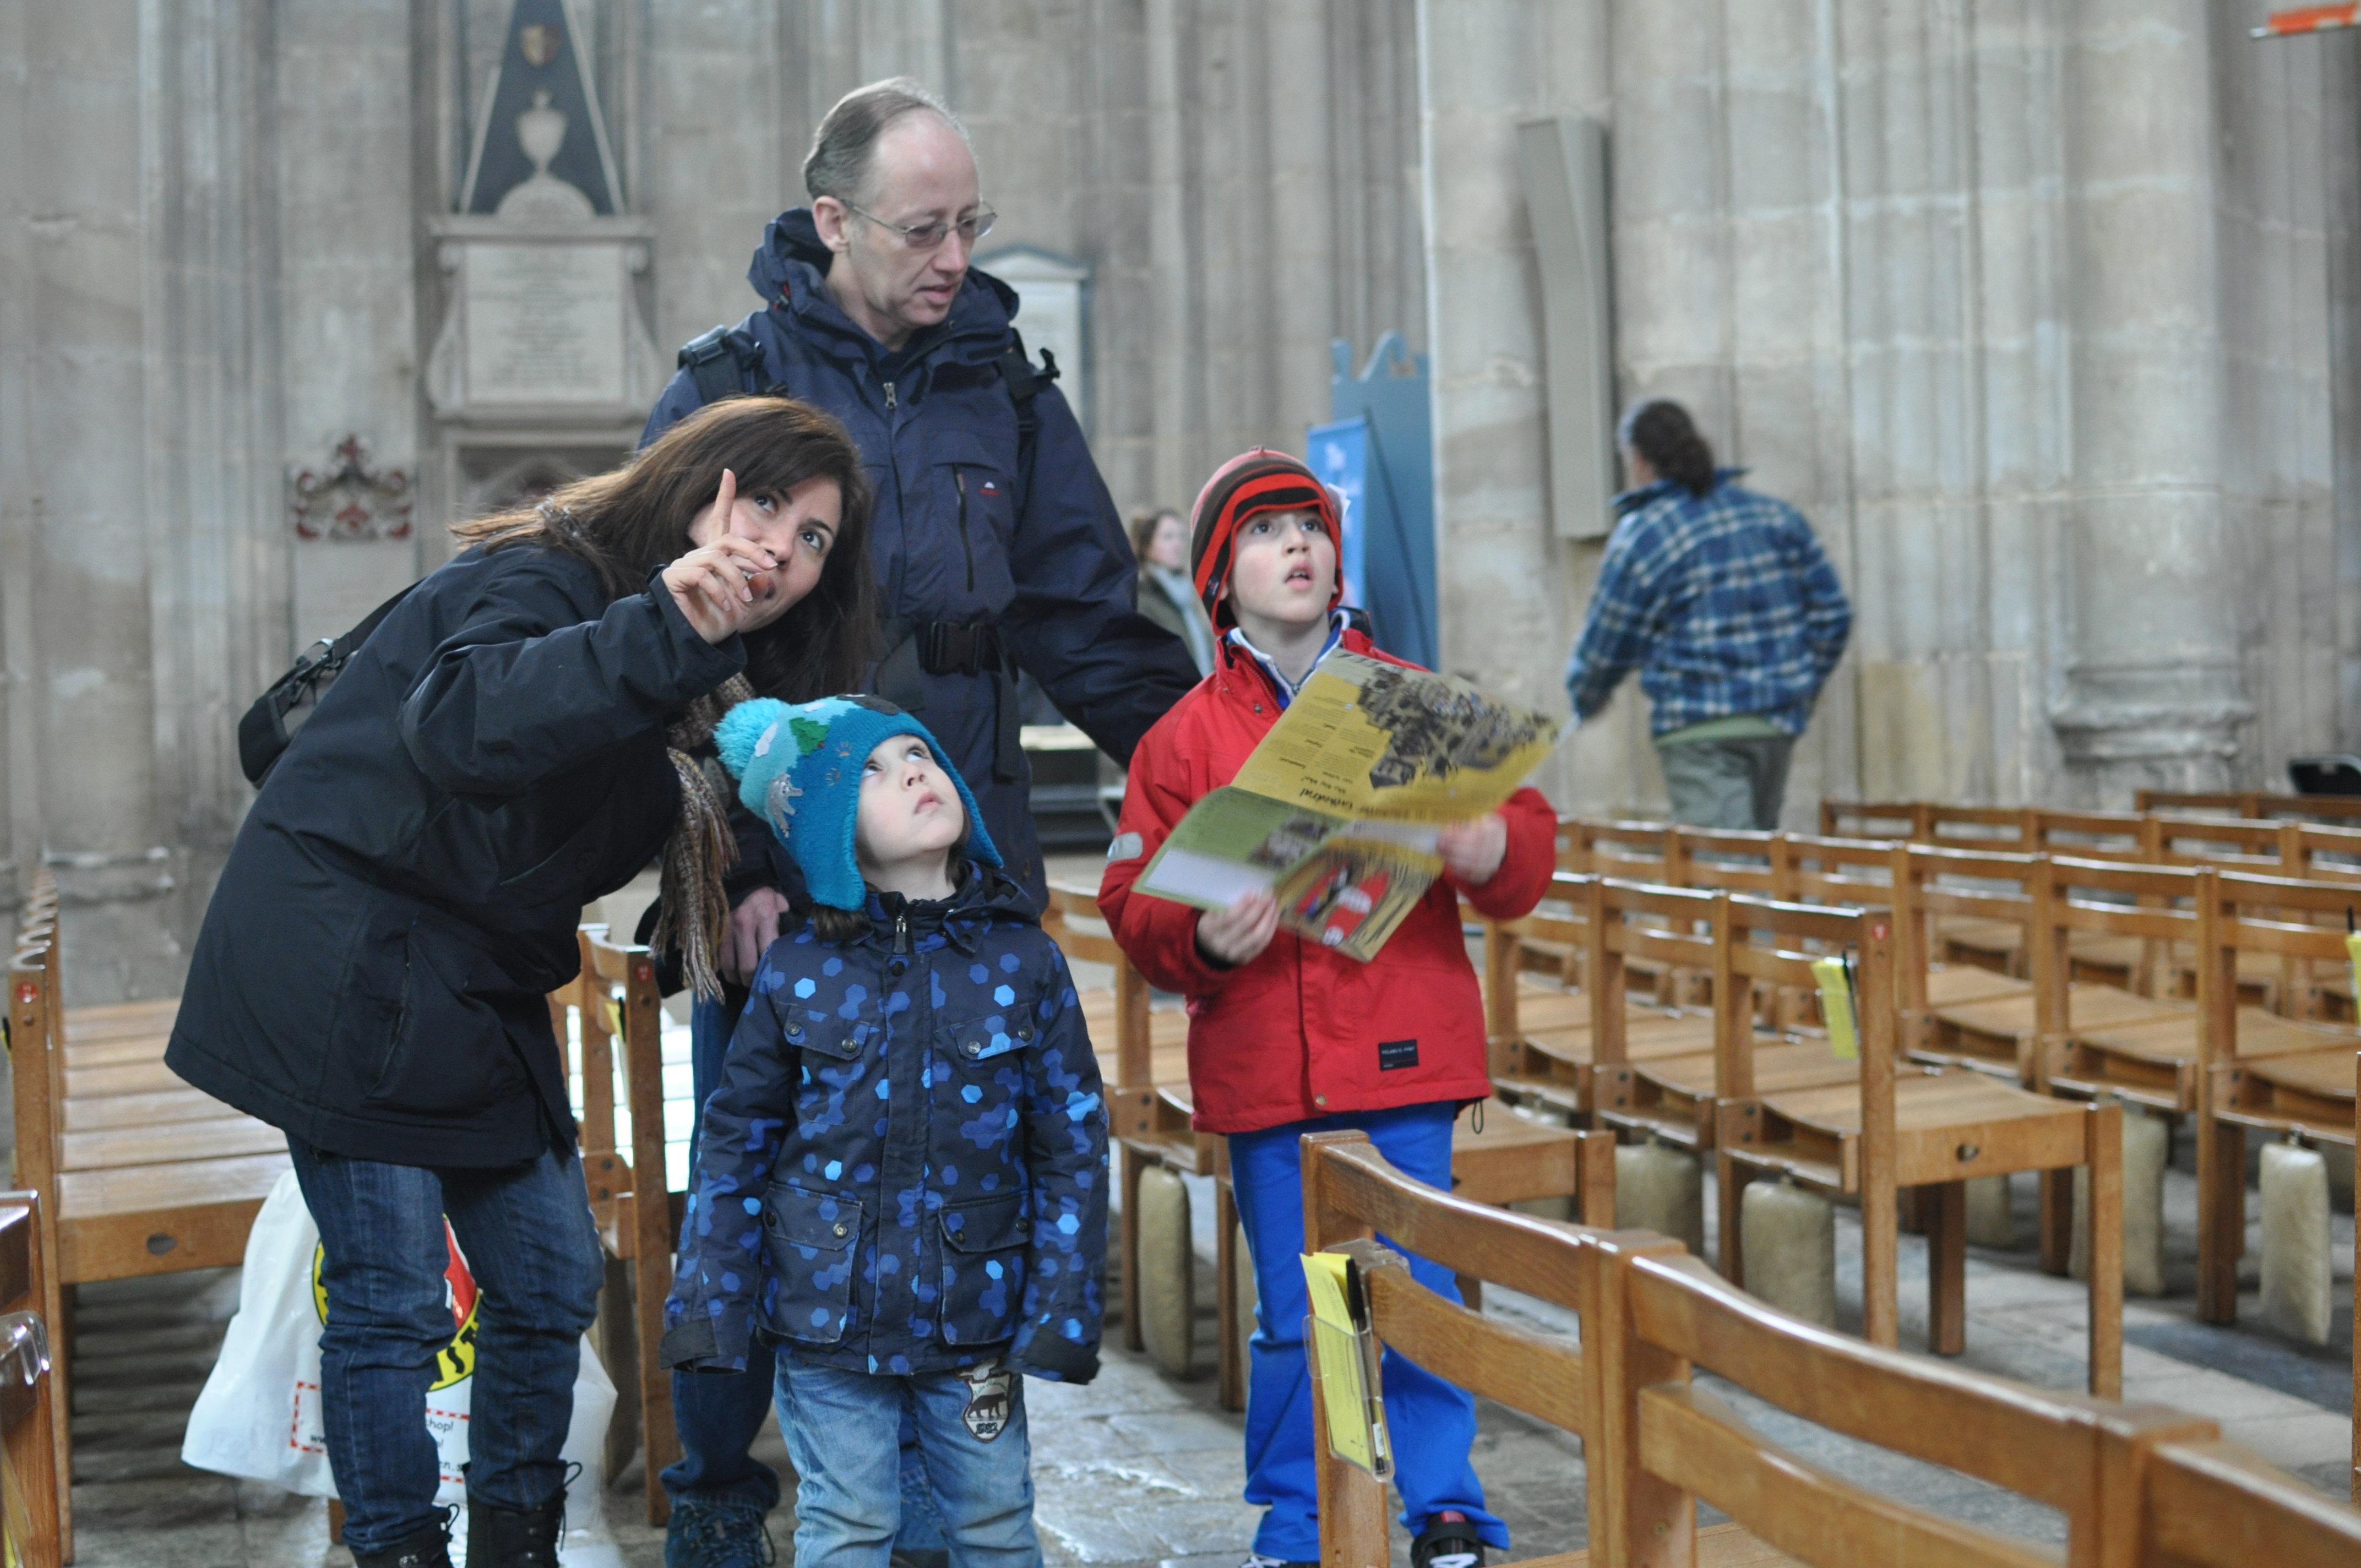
x,y
1167,597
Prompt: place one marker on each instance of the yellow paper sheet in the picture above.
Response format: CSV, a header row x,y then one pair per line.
x,y
1836,1007
1357,1427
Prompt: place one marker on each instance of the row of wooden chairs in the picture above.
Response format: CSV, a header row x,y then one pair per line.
x,y
137,1172
1784,1105
2140,1487
28,1414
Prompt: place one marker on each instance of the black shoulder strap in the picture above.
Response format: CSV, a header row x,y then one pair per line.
x,y
343,647
713,362
1025,384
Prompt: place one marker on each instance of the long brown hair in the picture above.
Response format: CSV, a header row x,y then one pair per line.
x,y
629,522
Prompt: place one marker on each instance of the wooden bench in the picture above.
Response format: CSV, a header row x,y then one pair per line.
x,y
28,1417
2142,1486
2252,803
142,1174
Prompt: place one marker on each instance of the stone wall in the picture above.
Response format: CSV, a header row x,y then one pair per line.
x,y
2040,311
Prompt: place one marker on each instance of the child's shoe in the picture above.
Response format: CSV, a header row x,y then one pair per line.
x,y
1449,1541
716,1533
1256,1559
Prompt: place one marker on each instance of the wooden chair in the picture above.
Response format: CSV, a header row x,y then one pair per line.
x,y
1637,851
2144,1487
2257,1070
1149,1116
1925,822
29,1424
1542,1035
1897,1125
617,1039
2310,852
139,1173
2343,810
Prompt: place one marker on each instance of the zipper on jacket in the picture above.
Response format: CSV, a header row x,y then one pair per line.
x,y
889,395
967,546
902,933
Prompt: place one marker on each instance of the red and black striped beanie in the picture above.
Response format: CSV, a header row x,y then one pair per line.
x,y
1256,481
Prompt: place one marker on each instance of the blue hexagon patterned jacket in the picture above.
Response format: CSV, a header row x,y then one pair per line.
x,y
904,1168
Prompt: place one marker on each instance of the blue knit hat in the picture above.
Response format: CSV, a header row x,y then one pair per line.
x,y
798,768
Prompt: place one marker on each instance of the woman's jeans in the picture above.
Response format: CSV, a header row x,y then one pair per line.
x,y
1432,1423
527,1235
845,1432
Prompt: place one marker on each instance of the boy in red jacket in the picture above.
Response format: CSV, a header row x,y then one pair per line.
x,y
1287,1036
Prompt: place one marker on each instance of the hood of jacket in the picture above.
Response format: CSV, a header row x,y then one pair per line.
x,y
790,271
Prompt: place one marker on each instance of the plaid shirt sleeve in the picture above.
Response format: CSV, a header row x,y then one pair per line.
x,y
1828,614
1620,622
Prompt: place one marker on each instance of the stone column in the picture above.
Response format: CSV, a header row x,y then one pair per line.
x,y
1506,596
2151,692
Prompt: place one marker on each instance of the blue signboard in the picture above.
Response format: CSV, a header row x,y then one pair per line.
x,y
1378,454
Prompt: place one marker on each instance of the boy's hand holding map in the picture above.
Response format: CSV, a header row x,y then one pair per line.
x,y
1341,811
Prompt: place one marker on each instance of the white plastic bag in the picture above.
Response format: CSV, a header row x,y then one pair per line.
x,y
259,1416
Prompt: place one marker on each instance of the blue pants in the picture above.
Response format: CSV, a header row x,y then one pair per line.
x,y
529,1241
846,1432
720,1414
1432,1422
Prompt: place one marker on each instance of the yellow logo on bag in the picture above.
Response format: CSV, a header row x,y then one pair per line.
x,y
455,1362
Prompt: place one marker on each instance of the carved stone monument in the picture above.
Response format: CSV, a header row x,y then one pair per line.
x,y
543,346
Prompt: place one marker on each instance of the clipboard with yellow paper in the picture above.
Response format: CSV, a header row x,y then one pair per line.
x,y
1345,1363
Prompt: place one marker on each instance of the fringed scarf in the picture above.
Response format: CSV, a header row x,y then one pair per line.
x,y
694,918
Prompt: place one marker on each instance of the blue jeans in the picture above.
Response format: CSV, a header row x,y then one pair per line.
x,y
1432,1422
844,1430
529,1241
720,1414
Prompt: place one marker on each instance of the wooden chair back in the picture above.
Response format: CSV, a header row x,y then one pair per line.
x,y
1636,851
1561,918
2224,842
1766,943
1874,820
1678,929
1926,822
1733,859
2158,904
2205,1503
2096,835
1931,882
1835,870
2301,923
2318,853
2253,804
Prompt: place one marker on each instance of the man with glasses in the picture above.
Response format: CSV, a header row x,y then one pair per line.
x,y
997,548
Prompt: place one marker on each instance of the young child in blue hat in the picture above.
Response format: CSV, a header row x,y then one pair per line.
x,y
901,1180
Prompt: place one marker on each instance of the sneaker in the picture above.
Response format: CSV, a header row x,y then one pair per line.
x,y
1258,1560
713,1532
1449,1541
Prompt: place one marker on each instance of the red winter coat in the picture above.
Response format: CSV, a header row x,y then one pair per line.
x,y
1301,1031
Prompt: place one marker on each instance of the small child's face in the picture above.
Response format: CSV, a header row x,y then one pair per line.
x,y
1282,569
909,808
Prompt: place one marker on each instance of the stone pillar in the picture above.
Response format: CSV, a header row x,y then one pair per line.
x,y
1507,598
1301,266
1170,285
2150,693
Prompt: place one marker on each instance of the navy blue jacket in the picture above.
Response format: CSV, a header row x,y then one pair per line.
x,y
903,1169
961,533
372,973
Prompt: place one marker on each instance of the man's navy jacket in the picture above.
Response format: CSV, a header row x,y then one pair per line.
x,y
961,535
903,1167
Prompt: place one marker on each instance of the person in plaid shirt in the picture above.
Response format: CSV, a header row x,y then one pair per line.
x,y
1733,616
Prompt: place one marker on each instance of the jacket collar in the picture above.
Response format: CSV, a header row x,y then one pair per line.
x,y
790,271
985,897
1241,661
1632,500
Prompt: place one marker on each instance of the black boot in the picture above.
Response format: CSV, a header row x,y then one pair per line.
x,y
430,1548
508,1537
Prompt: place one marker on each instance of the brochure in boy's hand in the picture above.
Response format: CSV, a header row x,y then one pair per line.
x,y
1337,810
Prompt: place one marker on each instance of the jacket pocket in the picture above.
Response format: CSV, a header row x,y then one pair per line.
x,y
984,1246
449,1050
980,493
807,1250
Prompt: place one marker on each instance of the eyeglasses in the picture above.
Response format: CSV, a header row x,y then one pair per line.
x,y
927,236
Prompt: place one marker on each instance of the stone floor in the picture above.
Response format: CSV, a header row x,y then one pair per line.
x,y
1139,1468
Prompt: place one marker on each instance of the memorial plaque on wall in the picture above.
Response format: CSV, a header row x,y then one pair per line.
x,y
544,323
